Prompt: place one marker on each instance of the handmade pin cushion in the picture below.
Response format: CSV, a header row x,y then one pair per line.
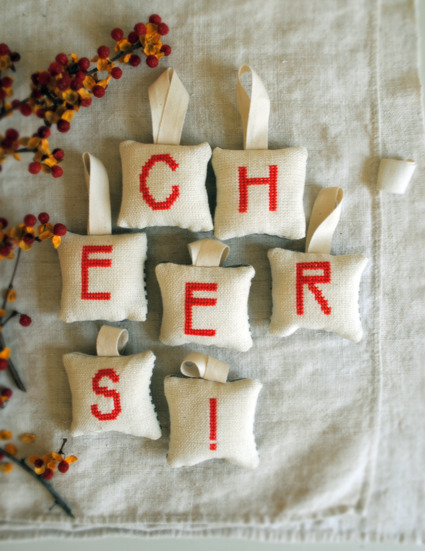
x,y
111,392
205,303
102,274
209,417
258,190
316,290
164,183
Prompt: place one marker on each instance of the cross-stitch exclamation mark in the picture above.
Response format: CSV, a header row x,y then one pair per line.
x,y
213,423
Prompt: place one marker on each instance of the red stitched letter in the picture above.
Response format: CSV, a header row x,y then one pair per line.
x,y
310,281
87,263
109,393
244,182
191,301
144,190
213,423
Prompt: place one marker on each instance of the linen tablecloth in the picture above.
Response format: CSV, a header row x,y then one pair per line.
x,y
339,426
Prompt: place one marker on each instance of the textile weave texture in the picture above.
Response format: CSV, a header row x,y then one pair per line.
x,y
339,426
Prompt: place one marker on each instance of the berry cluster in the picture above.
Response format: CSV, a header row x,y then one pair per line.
x,y
68,84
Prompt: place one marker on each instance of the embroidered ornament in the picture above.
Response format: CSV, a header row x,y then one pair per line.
x,y
205,303
111,392
258,190
315,290
209,417
102,274
164,182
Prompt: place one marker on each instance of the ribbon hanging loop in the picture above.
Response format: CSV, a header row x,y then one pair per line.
x,y
99,218
111,341
208,252
324,220
168,101
204,367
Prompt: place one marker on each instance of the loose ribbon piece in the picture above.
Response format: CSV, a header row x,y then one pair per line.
x,y
99,219
208,252
394,175
324,220
111,341
254,111
169,101
205,367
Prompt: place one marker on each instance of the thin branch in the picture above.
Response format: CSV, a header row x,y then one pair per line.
x,y
10,286
12,369
56,496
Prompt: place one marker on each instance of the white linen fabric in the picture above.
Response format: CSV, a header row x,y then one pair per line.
x,y
191,402
339,425
103,277
161,185
316,291
112,394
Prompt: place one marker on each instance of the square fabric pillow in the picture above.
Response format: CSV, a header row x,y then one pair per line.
x,y
102,274
316,291
258,190
164,183
205,303
111,393
211,420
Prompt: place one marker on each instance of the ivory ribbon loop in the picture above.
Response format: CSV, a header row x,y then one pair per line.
x,y
394,175
169,101
208,252
111,340
205,367
324,220
254,111
99,220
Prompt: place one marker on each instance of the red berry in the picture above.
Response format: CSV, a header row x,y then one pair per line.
x,y
4,49
34,168
55,68
28,239
86,102
63,83
8,392
116,73
44,216
6,82
3,223
76,84
163,29
7,143
166,50
58,154
133,37
1,456
3,363
25,110
62,59
59,229
30,220
48,474
155,19
81,75
84,63
151,61
63,125
25,320
40,113
15,57
63,467
98,91
44,132
38,463
117,34
57,171
2,95
44,77
103,52
36,94
140,28
12,134
134,60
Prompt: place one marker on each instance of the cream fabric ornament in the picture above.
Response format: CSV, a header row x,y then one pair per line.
x,y
258,190
164,182
205,303
112,392
209,417
102,274
316,290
